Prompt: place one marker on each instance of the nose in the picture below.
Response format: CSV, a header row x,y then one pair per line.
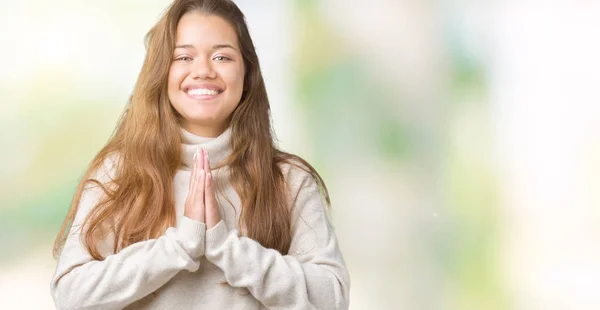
x,y
203,69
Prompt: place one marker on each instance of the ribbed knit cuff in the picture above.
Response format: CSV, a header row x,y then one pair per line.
x,y
191,235
215,237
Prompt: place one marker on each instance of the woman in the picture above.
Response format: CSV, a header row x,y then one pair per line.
x,y
190,205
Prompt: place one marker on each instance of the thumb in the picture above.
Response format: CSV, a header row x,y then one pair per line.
x,y
211,210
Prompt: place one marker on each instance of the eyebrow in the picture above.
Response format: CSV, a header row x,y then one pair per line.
x,y
215,47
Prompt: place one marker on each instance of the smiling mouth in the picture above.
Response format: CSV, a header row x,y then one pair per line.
x,y
198,92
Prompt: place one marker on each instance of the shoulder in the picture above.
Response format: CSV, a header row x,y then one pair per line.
x,y
106,171
306,188
297,174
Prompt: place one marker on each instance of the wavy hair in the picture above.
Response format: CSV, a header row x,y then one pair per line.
x,y
139,200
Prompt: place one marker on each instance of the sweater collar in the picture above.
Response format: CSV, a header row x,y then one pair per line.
x,y
218,148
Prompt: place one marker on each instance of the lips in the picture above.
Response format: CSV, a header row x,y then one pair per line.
x,y
203,90
203,86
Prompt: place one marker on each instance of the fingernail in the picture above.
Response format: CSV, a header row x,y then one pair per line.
x,y
198,153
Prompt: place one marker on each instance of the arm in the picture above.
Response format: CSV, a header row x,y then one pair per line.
x,y
120,279
312,276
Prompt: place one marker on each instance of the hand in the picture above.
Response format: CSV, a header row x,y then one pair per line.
x,y
194,203
212,215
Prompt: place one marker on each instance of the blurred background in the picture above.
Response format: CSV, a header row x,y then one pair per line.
x,y
460,139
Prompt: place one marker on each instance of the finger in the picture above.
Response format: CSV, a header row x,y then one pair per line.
x,y
199,191
206,162
209,193
193,173
211,211
201,158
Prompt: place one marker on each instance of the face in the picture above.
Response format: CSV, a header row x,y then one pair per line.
x,y
206,77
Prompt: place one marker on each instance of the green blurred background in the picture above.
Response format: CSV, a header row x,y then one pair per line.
x,y
459,139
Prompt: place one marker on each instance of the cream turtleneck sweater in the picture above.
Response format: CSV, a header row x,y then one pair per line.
x,y
190,267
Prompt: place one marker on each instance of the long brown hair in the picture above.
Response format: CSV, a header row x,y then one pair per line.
x,y
139,203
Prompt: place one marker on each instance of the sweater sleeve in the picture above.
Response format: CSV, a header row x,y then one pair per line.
x,y
80,282
312,276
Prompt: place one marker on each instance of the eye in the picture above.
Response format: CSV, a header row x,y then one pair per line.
x,y
221,58
183,58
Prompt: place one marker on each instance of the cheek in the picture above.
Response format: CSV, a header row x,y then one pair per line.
x,y
235,80
175,78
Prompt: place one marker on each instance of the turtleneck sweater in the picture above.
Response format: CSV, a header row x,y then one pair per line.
x,y
190,267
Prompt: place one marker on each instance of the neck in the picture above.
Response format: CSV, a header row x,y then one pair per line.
x,y
218,147
205,131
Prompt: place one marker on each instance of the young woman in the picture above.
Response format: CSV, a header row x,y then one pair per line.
x,y
190,205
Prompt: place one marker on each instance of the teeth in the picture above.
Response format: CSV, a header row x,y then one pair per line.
x,y
202,91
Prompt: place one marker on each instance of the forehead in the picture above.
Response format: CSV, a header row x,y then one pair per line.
x,y
199,29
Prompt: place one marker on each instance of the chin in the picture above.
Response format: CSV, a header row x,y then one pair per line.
x,y
204,121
